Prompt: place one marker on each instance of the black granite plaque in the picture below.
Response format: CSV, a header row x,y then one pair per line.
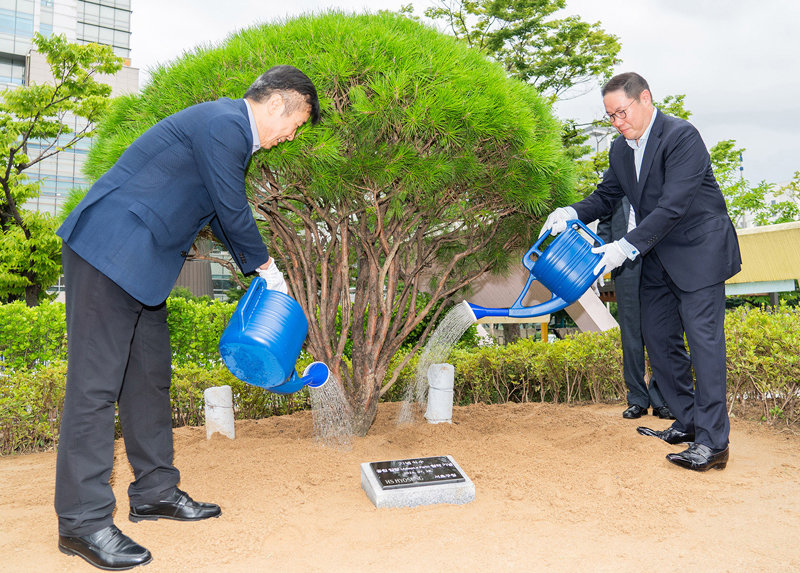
x,y
415,472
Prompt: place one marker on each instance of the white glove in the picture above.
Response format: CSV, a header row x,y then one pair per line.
x,y
614,255
557,220
274,278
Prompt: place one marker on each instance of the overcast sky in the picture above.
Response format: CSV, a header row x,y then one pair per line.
x,y
735,60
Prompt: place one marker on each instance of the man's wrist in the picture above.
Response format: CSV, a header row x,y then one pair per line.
x,y
630,251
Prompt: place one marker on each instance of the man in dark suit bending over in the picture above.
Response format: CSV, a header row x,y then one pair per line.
x,y
688,248
123,247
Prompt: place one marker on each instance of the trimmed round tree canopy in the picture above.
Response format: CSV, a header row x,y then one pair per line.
x,y
404,107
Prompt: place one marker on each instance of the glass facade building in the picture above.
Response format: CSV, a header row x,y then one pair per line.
x,y
100,21
105,22
82,22
16,33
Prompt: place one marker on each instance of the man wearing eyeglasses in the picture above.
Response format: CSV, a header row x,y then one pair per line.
x,y
688,248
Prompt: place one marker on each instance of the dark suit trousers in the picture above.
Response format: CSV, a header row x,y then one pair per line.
x,y
626,283
668,312
118,354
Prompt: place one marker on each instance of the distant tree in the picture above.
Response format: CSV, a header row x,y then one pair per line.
x,y
29,249
674,106
762,201
786,210
430,168
553,54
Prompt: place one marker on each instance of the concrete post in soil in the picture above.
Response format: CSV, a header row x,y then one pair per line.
x,y
440,393
219,411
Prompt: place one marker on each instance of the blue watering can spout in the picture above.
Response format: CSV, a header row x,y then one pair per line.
x,y
553,305
565,267
314,376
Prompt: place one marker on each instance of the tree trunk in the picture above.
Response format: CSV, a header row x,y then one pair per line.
x,y
511,333
32,295
364,415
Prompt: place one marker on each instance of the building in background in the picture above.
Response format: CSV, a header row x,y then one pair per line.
x,y
80,21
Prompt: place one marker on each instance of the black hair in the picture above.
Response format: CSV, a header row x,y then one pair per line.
x,y
632,83
285,80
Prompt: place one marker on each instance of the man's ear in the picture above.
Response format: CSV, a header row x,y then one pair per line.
x,y
646,97
275,104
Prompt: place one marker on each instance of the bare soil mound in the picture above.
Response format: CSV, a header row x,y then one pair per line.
x,y
561,488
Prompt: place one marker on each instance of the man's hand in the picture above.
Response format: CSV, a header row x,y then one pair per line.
x,y
274,277
614,255
557,220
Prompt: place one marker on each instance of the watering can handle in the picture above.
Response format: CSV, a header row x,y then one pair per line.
x,y
254,290
528,262
588,230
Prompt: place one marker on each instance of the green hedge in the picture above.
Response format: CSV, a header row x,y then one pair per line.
x,y
764,363
763,375
195,328
31,402
583,367
763,368
36,336
30,408
31,336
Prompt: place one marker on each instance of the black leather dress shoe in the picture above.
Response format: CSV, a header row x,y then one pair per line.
x,y
634,411
670,435
177,506
108,549
663,412
700,458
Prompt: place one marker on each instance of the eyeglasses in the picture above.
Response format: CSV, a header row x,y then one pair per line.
x,y
621,114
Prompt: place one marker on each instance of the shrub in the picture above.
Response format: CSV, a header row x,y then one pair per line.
x,y
30,408
249,402
587,366
763,350
763,377
31,336
31,402
194,329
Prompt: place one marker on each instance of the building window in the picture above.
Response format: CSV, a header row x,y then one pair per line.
x,y
105,22
6,21
12,71
16,23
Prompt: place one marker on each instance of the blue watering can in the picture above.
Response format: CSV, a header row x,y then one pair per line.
x,y
564,267
263,339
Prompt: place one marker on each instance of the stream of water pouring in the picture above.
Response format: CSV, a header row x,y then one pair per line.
x,y
333,419
453,326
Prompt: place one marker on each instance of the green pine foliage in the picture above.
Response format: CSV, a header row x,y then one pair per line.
x,y
429,169
402,104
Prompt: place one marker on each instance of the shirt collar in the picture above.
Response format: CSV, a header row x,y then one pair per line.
x,y
253,127
634,144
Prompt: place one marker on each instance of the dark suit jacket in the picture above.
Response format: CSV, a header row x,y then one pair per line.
x,y
139,220
680,211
